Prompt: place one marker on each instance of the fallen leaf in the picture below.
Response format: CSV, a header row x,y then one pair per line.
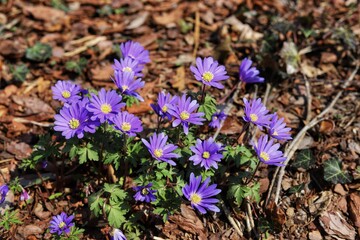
x,y
30,229
354,209
309,70
138,21
167,18
327,126
12,48
32,105
21,150
246,32
47,14
102,73
40,213
179,79
334,224
142,107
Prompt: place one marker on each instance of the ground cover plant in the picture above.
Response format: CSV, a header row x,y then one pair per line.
x,y
191,125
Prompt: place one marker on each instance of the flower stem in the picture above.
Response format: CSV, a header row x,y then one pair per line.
x,y
253,175
202,94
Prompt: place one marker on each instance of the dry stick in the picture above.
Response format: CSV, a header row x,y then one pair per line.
x,y
231,220
296,142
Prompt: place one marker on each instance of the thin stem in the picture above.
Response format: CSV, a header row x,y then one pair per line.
x,y
158,124
202,94
245,127
253,175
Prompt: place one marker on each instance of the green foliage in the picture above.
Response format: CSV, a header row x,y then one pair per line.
x,y
304,159
130,100
76,67
241,155
9,219
15,186
113,201
88,152
185,27
19,72
297,188
59,4
239,192
40,52
43,150
333,172
167,203
346,36
55,195
208,107
75,234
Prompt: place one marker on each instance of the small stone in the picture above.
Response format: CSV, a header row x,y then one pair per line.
x,y
339,189
315,235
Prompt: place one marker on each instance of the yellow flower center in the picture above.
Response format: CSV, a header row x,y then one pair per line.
x,y
254,117
206,155
74,123
127,69
144,191
125,126
106,108
124,87
195,198
265,156
164,108
65,94
184,115
61,225
275,133
158,152
208,76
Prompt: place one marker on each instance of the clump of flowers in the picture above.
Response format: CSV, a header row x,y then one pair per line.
x,y
106,130
61,224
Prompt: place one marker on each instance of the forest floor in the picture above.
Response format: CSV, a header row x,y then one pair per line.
x,y
307,51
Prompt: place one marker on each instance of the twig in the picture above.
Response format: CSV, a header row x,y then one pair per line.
x,y
22,120
296,142
231,220
196,33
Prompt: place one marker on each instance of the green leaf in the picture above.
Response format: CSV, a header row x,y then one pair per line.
x,y
296,189
55,195
304,159
116,216
19,72
40,52
96,203
87,153
333,172
116,193
208,107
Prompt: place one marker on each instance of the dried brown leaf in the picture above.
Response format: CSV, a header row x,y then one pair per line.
x,y
334,224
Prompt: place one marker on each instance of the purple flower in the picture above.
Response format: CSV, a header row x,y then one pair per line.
x,y
61,223
256,113
74,120
105,105
128,64
127,84
216,118
24,195
160,150
278,129
135,51
144,193
4,189
209,72
117,234
163,103
207,153
185,112
66,91
127,123
268,152
200,195
247,74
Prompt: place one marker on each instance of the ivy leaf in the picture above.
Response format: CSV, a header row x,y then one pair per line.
x,y
209,107
304,159
333,172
